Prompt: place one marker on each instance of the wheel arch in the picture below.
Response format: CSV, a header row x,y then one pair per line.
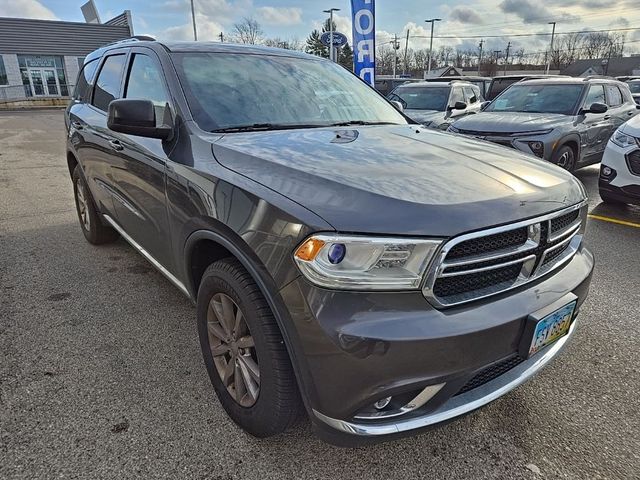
x,y
572,141
72,162
229,244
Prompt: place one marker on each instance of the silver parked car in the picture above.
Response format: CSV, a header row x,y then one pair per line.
x,y
437,104
567,121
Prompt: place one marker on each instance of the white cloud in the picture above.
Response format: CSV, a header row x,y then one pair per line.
x,y
207,30
280,16
25,9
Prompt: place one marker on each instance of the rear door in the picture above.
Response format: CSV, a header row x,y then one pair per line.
x,y
95,153
621,108
597,126
139,164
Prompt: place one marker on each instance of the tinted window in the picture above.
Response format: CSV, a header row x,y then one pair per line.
x,y
145,82
614,97
595,95
499,85
85,81
422,98
108,82
634,87
471,95
3,73
538,99
232,90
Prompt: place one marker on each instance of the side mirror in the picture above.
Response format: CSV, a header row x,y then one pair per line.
x,y
458,106
136,117
484,105
596,108
398,105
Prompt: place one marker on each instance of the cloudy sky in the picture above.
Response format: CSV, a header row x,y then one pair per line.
x,y
462,19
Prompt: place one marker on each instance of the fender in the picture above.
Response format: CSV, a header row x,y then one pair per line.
x,y
575,137
221,234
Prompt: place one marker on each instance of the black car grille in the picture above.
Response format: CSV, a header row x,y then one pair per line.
x,y
486,263
490,373
633,160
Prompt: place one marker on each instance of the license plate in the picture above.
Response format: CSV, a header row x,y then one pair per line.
x,y
552,327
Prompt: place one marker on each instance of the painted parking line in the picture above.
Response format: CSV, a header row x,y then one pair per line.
x,y
614,220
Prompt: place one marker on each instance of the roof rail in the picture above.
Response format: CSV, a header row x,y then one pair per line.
x,y
135,38
596,77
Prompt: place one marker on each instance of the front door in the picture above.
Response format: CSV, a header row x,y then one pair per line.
x,y
44,82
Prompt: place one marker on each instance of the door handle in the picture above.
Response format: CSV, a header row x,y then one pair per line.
x,y
607,117
631,113
76,125
116,145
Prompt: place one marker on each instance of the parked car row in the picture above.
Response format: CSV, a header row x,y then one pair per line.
x,y
567,121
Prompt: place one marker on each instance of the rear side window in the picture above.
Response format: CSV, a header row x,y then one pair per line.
x,y
85,81
456,96
595,95
108,82
614,97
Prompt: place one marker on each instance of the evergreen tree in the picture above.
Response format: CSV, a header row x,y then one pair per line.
x,y
345,57
316,47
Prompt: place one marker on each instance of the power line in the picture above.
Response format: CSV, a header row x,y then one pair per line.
x,y
538,34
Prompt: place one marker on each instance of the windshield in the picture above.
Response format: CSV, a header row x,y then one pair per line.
x,y
538,99
425,98
227,91
634,87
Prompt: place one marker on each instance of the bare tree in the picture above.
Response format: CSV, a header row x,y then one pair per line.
x,y
248,31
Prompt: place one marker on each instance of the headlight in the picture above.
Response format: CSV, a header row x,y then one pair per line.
x,y
453,129
365,263
623,140
532,133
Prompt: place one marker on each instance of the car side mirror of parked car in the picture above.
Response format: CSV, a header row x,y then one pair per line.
x,y
398,105
484,105
136,117
596,108
458,106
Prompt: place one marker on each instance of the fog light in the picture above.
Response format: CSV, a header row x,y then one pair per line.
x,y
381,404
336,253
606,171
537,148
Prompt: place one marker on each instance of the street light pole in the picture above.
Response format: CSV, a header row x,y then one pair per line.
x,y
193,18
480,56
431,21
331,51
553,33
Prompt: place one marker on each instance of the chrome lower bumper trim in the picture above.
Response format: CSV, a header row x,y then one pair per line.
x,y
460,404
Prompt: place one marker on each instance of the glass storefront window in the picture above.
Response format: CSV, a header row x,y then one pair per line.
x,y
3,73
34,67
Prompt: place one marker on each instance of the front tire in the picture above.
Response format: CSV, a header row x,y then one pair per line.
x,y
606,198
244,352
565,158
92,227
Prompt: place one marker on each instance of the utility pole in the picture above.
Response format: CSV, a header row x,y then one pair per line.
x,y
331,47
506,58
193,18
221,37
431,21
396,46
406,48
553,33
480,56
497,52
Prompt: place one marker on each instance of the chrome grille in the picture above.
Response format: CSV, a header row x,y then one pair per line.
x,y
481,264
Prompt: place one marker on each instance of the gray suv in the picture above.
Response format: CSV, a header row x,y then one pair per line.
x,y
567,121
344,262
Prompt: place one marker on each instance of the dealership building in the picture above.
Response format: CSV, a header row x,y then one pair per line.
x,y
40,59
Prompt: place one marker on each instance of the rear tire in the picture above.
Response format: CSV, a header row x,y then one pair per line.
x,y
251,371
565,158
610,200
91,224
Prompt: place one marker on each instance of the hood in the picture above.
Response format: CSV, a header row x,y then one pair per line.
x,y
399,179
424,116
514,122
632,127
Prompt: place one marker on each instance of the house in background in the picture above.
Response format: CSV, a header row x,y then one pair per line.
x,y
447,71
613,67
40,59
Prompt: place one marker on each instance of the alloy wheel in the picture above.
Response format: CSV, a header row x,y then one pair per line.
x,y
566,160
233,350
81,196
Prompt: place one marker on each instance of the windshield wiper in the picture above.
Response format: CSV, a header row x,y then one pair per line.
x,y
263,127
360,122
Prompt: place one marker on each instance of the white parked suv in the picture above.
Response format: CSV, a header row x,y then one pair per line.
x,y
620,166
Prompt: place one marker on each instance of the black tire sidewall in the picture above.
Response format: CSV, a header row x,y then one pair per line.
x,y
559,153
91,234
257,418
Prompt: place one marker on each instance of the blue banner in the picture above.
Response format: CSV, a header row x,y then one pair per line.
x,y
364,39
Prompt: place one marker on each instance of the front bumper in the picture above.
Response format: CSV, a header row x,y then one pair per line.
x,y
622,183
359,347
521,143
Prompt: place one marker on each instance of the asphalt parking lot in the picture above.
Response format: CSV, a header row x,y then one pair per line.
x,y
101,374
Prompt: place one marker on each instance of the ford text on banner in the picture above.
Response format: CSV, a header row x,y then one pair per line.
x,y
364,39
